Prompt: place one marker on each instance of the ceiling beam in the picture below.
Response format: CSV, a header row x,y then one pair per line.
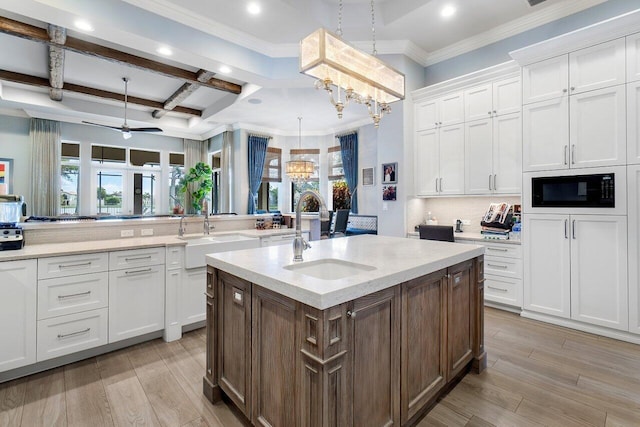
x,y
182,93
57,35
42,82
33,33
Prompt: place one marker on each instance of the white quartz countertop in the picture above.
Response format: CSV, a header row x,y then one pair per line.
x,y
468,235
73,248
395,260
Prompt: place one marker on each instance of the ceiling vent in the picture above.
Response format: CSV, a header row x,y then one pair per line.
x,y
534,2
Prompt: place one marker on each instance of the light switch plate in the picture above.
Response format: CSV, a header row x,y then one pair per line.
x,y
146,232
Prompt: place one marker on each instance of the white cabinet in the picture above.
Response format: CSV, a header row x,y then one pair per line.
x,y
633,57
633,176
194,302
58,336
545,135
440,161
18,284
577,267
444,111
598,128
492,99
493,155
545,80
136,293
73,294
597,67
173,293
633,122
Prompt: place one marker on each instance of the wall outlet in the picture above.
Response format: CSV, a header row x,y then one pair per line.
x,y
466,222
126,233
146,232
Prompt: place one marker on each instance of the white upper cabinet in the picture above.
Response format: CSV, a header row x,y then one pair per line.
x,y
478,150
443,111
440,161
596,67
545,135
633,57
633,122
598,128
544,80
427,164
492,99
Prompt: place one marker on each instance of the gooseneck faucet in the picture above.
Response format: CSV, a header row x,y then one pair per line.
x,y
299,244
207,226
181,229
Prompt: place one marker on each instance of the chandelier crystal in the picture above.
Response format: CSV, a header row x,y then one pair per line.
x,y
348,74
300,170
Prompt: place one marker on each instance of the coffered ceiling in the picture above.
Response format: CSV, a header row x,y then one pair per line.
x,y
203,35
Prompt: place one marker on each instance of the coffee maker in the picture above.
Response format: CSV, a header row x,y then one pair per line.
x,y
11,234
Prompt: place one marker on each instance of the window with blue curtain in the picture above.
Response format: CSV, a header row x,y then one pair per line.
x,y
257,154
349,151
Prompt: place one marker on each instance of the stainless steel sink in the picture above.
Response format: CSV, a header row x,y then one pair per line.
x,y
329,268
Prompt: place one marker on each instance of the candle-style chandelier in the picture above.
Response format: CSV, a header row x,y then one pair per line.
x,y
300,170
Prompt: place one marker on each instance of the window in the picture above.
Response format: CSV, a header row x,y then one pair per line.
x,y
271,179
176,167
69,179
108,155
144,158
110,187
341,197
310,204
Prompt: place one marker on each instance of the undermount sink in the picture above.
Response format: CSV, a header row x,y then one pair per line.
x,y
199,246
329,268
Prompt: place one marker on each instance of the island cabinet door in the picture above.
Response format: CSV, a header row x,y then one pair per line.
x,y
375,351
274,357
234,339
460,311
423,342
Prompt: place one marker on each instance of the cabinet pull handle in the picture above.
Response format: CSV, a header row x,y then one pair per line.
x,y
138,258
74,295
498,266
566,221
498,289
573,154
494,112
565,154
495,181
573,228
351,314
145,270
84,331
489,182
441,185
497,249
82,264
436,185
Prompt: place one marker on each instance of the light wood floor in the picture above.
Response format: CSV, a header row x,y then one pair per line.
x,y
538,374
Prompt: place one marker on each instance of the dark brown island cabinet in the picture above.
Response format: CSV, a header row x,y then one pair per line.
x,y
380,360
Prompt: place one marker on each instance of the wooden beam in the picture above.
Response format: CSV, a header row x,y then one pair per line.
x,y
30,32
58,35
42,82
182,93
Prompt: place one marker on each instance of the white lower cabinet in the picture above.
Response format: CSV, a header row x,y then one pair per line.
x,y
577,267
68,334
136,301
18,284
194,302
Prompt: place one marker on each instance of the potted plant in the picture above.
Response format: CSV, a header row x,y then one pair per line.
x,y
198,182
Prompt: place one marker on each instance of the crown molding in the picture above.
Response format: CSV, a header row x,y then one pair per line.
x,y
517,26
600,32
500,71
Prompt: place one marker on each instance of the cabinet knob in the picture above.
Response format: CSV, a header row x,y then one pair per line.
x,y
351,314
564,90
489,112
573,88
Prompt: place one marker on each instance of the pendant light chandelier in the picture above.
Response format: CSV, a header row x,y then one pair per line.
x,y
353,75
300,170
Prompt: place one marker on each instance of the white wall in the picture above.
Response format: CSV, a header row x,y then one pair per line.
x,y
15,144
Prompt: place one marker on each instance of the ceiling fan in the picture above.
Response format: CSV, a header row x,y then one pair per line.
x,y
125,129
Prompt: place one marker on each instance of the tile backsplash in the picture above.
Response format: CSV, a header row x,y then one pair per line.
x,y
448,209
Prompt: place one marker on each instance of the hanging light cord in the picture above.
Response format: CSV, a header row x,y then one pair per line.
x,y
373,27
339,30
299,132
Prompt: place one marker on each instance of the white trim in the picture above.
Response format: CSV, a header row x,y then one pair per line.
x,y
504,70
613,28
279,132
585,327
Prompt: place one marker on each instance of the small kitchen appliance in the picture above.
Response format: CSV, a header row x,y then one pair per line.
x,y
458,226
11,234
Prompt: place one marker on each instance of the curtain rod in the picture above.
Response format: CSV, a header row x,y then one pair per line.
x,y
261,136
338,135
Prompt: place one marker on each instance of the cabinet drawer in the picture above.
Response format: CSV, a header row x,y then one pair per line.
x,y
68,334
67,295
136,258
503,249
175,257
503,290
502,266
71,265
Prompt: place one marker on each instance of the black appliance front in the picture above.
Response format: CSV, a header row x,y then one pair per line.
x,y
579,191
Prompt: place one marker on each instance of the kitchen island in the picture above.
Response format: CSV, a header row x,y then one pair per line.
x,y
367,330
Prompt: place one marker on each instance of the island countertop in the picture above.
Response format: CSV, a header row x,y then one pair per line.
x,y
394,260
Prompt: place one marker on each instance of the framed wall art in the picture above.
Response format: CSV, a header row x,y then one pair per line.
x,y
6,176
389,173
368,176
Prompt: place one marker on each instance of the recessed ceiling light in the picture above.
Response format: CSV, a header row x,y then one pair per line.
x,y
224,69
164,50
254,8
448,11
83,25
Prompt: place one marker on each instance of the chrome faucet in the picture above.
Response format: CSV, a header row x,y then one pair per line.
x,y
299,244
181,229
207,226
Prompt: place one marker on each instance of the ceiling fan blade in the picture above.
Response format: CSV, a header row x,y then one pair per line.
x,y
118,128
145,130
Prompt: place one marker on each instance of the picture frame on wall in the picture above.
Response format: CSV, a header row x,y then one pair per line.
x,y
390,173
368,176
6,176
389,192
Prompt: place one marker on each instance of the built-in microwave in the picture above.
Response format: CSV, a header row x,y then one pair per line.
x,y
574,191
601,190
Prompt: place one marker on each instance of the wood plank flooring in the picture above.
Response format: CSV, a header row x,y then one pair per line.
x,y
538,374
